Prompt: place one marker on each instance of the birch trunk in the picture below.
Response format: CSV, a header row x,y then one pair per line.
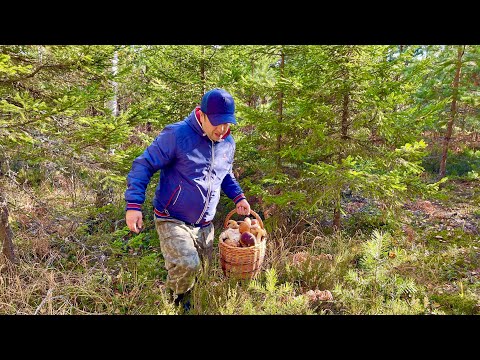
x,y
104,193
113,104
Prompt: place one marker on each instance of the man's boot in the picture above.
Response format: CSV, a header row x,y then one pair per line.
x,y
184,300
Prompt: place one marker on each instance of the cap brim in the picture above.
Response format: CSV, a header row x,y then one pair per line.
x,y
217,119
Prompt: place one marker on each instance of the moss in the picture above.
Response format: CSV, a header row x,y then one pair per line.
x,y
456,304
442,239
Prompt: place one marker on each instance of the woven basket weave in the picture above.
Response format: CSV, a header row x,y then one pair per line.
x,y
242,262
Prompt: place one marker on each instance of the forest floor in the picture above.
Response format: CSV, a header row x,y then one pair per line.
x,y
75,259
447,229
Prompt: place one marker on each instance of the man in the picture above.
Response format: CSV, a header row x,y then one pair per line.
x,y
195,157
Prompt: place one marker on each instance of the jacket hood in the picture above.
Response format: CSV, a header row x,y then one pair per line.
x,y
192,120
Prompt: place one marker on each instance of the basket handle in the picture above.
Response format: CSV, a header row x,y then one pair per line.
x,y
251,213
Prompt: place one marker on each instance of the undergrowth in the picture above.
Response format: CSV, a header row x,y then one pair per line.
x,y
89,263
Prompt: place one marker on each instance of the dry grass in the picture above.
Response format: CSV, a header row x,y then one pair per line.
x,y
63,270
32,288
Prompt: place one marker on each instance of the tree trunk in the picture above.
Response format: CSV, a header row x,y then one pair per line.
x,y
400,49
344,125
345,116
453,113
251,101
101,193
6,233
336,217
113,104
41,53
280,111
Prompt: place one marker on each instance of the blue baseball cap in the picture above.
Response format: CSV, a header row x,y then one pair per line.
x,y
219,106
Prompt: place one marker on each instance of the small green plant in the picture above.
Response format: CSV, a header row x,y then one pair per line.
x,y
124,240
375,288
262,296
152,266
472,175
276,298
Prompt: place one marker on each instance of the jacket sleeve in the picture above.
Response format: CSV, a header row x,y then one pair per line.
x,y
230,185
231,188
155,157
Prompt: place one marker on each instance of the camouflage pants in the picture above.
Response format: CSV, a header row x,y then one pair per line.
x,y
185,249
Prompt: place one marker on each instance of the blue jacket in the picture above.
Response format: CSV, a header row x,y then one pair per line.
x,y
193,170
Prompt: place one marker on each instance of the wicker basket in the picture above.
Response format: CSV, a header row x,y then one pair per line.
x,y
242,262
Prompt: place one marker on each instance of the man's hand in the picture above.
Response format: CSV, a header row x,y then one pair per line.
x,y
134,221
243,207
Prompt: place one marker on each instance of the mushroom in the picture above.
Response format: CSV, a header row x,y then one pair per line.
x,y
244,227
254,228
324,295
233,234
260,234
223,236
247,239
232,224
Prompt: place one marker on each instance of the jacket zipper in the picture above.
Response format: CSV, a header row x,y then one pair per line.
x,y
209,184
178,194
178,188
